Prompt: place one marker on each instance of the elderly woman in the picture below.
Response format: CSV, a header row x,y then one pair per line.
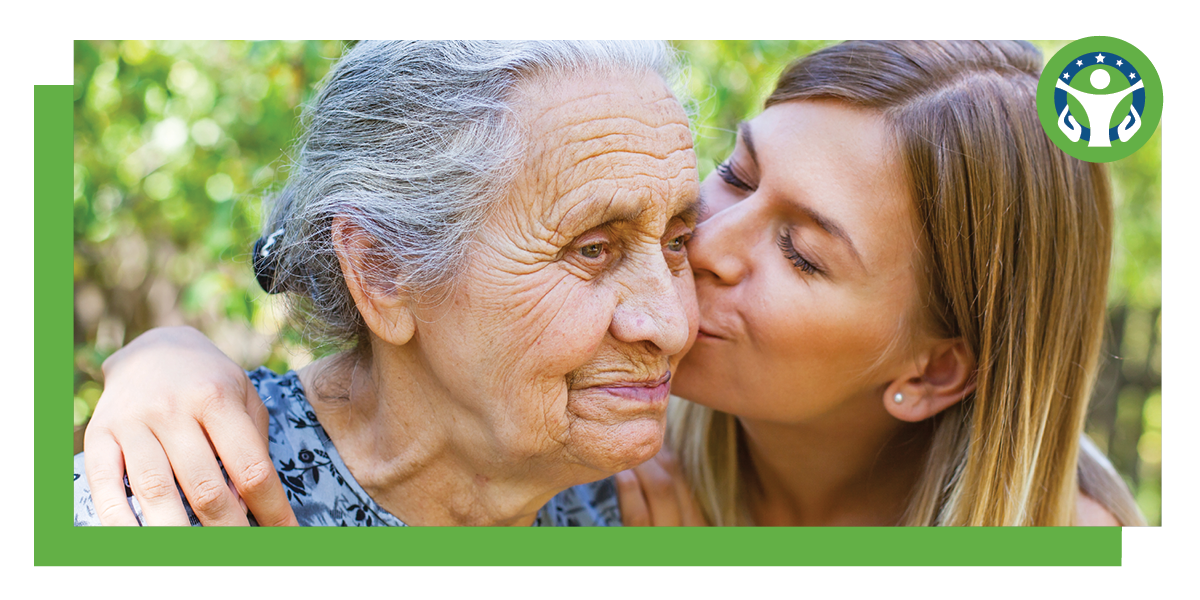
x,y
496,231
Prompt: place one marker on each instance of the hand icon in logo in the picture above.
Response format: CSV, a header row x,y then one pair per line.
x,y
1127,131
1072,130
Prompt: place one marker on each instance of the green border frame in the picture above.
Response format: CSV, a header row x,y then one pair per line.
x,y
58,542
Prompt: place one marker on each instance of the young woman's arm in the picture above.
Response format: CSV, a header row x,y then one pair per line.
x,y
172,400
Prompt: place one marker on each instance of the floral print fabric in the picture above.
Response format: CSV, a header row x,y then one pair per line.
x,y
320,487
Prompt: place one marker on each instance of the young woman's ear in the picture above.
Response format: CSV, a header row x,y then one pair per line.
x,y
942,376
385,309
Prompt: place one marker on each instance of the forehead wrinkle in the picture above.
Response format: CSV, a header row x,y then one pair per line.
x,y
662,106
652,155
628,179
619,167
659,146
561,158
642,205
593,211
602,147
632,182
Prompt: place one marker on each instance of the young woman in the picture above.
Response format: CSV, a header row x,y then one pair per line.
x,y
901,285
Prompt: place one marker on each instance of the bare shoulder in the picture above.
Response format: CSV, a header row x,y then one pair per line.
x,y
1090,513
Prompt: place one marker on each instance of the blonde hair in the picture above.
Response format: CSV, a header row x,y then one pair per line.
x,y
1015,239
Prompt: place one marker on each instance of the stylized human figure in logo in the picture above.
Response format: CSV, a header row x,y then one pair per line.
x,y
1099,109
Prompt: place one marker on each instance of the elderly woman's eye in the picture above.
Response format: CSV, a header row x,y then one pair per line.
x,y
677,243
592,250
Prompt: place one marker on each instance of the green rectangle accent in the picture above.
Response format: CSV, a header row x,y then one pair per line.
x,y
598,546
57,542
53,315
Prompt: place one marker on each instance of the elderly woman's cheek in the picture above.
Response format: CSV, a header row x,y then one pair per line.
x,y
685,284
573,321
556,341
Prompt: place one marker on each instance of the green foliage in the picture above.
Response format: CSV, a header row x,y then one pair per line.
x,y
728,82
176,142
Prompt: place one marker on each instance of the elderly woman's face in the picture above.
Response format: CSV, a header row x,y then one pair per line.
x,y
578,295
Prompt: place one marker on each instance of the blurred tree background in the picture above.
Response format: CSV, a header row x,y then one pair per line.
x,y
177,142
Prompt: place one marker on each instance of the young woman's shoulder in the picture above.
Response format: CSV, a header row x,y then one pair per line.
x,y
1089,512
1104,499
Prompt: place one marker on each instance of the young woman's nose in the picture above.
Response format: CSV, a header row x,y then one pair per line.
x,y
721,244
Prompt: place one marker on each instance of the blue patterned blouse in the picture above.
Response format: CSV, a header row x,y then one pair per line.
x,y
320,487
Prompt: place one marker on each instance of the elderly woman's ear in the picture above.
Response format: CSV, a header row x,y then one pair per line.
x,y
385,309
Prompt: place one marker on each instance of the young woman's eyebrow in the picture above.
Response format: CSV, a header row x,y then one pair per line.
x,y
830,226
747,139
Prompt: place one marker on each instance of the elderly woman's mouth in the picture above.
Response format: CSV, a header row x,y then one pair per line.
x,y
644,390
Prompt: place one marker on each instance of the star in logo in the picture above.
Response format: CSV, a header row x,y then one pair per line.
x,y
1066,76
1120,62
1132,75
1099,58
1079,63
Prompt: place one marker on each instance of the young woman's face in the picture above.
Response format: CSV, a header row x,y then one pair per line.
x,y
804,267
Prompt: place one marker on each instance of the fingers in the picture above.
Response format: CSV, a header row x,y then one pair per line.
x,y
690,514
105,467
201,479
659,491
257,410
634,512
151,478
243,451
656,493
172,384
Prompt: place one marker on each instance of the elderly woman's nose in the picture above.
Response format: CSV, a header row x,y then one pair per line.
x,y
653,311
720,245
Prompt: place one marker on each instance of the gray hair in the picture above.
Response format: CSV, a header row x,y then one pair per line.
x,y
414,141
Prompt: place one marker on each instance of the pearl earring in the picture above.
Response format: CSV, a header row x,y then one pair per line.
x,y
898,398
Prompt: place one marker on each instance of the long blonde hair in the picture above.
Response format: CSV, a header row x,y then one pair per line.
x,y
1016,238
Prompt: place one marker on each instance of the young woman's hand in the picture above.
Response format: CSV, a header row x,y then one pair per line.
x,y
172,400
655,493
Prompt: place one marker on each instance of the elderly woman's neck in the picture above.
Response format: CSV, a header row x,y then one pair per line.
x,y
420,455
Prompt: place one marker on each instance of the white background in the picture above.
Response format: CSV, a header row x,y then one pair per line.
x,y
1158,562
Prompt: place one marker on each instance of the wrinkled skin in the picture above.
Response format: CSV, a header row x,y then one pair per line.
x,y
546,367
549,364
580,280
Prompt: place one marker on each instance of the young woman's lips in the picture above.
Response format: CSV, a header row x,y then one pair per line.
x,y
645,391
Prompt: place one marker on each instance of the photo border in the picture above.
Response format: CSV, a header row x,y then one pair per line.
x,y
58,542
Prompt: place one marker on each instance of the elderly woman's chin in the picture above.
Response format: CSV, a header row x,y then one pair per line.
x,y
616,429
610,449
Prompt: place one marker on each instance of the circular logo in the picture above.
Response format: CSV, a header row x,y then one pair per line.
x,y
1099,99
